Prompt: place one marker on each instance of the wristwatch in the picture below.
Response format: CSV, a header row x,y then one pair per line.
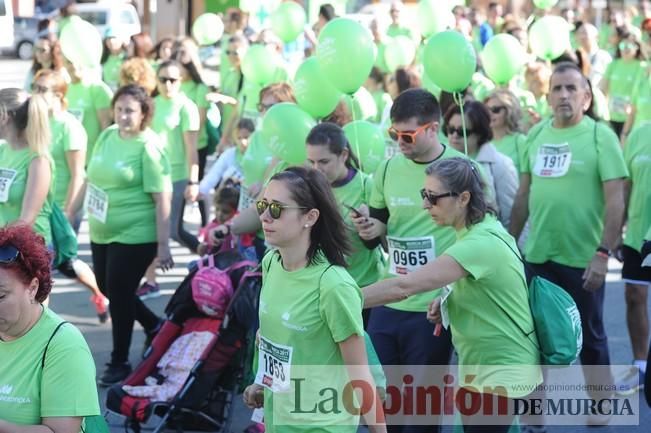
x,y
603,251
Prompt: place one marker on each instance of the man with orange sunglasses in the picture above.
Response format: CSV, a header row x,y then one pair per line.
x,y
400,332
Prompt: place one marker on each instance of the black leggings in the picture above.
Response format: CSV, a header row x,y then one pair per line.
x,y
203,208
119,268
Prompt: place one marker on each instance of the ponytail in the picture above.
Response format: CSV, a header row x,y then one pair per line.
x,y
37,131
30,116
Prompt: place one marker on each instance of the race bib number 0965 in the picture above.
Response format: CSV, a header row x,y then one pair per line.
x,y
409,254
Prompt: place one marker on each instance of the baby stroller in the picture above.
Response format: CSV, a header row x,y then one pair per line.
x,y
205,399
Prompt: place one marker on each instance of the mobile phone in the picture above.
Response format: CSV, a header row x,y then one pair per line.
x,y
356,213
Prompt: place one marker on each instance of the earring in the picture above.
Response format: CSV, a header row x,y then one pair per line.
x,y
306,225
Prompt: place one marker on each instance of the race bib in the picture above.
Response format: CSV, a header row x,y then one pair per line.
x,y
408,254
553,160
619,105
274,365
7,177
246,200
77,112
96,203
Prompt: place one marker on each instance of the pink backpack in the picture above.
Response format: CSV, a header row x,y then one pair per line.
x,y
212,288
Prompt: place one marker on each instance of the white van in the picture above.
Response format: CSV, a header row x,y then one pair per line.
x,y
6,25
120,17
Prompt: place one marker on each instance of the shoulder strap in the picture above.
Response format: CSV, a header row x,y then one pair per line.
x,y
49,340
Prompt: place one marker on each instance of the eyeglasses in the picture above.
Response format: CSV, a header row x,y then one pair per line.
x,y
627,46
405,136
496,109
168,80
434,198
231,52
275,209
459,131
37,88
8,254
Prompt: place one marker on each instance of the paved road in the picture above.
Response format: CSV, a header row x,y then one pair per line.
x,y
71,301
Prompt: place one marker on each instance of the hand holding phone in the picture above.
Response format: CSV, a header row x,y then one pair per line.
x,y
355,212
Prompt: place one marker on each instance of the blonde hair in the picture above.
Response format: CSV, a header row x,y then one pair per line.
x,y
138,71
29,115
58,82
512,107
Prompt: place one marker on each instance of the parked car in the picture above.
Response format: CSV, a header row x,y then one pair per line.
x,y
121,18
25,33
6,25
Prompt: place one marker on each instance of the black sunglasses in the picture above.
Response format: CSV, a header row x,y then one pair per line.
x,y
275,209
168,79
459,131
432,198
8,254
496,109
231,52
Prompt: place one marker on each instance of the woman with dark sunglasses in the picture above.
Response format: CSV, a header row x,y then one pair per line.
x,y
487,307
506,123
48,372
310,307
498,169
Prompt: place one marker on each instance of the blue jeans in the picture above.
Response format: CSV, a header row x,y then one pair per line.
x,y
407,338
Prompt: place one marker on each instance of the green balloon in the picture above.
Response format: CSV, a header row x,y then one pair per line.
x,y
502,58
81,43
434,16
379,57
361,104
345,53
545,4
259,65
314,94
207,29
284,130
288,21
367,143
399,51
549,37
449,60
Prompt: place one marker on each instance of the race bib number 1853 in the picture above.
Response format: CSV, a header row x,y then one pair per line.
x,y
274,365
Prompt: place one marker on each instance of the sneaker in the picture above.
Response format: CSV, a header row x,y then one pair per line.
x,y
114,373
100,302
148,291
631,382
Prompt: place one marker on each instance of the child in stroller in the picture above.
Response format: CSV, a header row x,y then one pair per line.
x,y
197,392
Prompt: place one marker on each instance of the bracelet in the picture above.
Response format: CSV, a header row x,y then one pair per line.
x,y
604,250
602,254
192,183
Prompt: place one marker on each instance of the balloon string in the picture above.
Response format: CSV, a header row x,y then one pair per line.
x,y
458,99
355,131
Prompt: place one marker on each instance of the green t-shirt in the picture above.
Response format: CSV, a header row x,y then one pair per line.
x,y
364,265
566,202
124,174
68,135
394,31
308,311
482,334
197,93
413,237
511,146
637,154
642,100
111,70
65,387
84,100
621,76
14,169
172,118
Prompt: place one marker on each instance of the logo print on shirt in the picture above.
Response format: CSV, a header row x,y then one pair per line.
x,y
286,324
6,389
401,201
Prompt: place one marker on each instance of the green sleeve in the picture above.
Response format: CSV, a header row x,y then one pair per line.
x,y
201,100
609,70
190,117
609,152
156,175
648,235
474,253
630,145
367,185
525,166
340,304
376,199
75,136
102,95
68,385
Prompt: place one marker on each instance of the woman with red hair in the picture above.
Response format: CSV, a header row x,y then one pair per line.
x,y
45,361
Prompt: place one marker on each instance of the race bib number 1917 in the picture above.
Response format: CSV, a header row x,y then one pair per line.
x,y
553,160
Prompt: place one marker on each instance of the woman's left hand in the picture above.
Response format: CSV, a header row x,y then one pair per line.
x,y
165,261
434,311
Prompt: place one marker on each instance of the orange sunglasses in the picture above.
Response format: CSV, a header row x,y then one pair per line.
x,y
407,137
